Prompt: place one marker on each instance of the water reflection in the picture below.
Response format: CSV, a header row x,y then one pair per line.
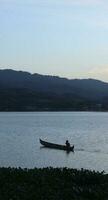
x,y
66,151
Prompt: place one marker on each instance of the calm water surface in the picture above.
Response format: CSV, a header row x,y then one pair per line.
x,y
20,133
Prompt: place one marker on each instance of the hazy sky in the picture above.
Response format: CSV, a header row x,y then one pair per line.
x,y
59,37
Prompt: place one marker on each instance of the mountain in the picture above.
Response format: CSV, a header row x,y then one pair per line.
x,y
23,91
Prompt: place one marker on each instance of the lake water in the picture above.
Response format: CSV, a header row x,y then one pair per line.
x,y
20,133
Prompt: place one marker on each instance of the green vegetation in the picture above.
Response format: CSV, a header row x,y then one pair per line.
x,y
22,91
26,100
52,184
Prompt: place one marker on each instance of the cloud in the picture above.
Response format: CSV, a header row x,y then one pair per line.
x,y
99,73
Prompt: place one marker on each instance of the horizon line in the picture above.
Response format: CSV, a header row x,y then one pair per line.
x,y
58,76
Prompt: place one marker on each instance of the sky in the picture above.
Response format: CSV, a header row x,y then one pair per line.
x,y
68,38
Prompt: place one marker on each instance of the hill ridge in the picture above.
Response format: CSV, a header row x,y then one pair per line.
x,y
21,90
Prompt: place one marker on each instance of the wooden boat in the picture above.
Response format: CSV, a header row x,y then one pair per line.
x,y
56,146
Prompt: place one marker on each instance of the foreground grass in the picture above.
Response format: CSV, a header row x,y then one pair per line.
x,y
52,184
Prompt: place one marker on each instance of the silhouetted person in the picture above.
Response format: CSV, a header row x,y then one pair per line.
x,y
67,144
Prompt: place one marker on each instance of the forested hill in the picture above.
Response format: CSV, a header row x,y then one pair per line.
x,y
22,91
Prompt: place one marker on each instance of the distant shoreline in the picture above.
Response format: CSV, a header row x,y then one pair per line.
x,y
55,111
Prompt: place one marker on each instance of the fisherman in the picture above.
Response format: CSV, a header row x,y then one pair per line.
x,y
67,144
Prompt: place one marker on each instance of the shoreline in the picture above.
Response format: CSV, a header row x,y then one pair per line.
x,y
52,183
89,111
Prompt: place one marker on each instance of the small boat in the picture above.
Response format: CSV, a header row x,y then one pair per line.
x,y
56,146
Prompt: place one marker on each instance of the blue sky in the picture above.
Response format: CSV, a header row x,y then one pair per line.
x,y
68,38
